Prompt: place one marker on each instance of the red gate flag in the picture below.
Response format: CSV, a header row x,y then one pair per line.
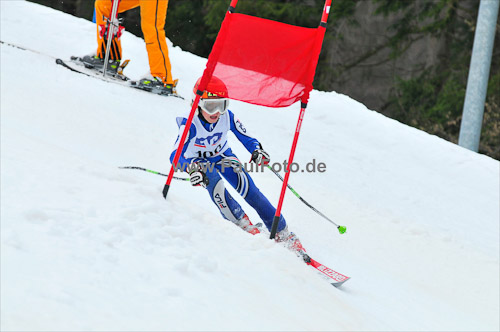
x,y
265,62
261,62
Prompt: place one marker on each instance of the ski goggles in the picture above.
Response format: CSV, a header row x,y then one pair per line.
x,y
212,106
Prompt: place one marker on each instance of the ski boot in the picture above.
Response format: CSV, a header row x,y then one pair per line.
x,y
292,242
97,63
246,225
155,85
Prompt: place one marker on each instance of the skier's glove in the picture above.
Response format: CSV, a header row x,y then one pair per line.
x,y
197,176
259,156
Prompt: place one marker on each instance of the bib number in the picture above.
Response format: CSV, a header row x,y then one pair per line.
x,y
209,154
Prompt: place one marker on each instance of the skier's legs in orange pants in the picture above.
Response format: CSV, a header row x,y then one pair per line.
x,y
102,12
153,15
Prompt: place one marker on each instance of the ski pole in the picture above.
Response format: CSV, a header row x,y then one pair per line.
x,y
111,31
341,229
154,172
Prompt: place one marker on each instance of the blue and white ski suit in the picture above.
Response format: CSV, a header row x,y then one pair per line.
x,y
208,143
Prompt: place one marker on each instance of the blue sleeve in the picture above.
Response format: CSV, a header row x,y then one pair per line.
x,y
181,122
241,133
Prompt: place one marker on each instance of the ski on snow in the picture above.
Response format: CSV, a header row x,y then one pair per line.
x,y
75,65
331,276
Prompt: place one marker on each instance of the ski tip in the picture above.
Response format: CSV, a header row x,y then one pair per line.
x,y
59,61
342,229
173,94
340,283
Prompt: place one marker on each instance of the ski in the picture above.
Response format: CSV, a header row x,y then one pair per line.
x,y
81,69
89,68
331,276
75,65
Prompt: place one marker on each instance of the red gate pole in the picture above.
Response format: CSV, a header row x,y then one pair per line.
x,y
232,6
277,215
207,75
181,143
303,105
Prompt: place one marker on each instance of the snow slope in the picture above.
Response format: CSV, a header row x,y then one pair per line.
x,y
88,246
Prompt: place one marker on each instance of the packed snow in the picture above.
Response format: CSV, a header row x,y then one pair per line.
x,y
88,246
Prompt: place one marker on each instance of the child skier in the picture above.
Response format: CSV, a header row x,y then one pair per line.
x,y
209,156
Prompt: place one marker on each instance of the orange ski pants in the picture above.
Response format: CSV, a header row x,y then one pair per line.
x,y
153,15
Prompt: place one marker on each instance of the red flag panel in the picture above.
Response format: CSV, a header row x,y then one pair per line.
x,y
265,62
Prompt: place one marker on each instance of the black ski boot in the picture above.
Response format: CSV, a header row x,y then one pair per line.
x,y
97,63
155,85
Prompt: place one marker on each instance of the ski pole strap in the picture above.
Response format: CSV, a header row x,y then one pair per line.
x,y
154,172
